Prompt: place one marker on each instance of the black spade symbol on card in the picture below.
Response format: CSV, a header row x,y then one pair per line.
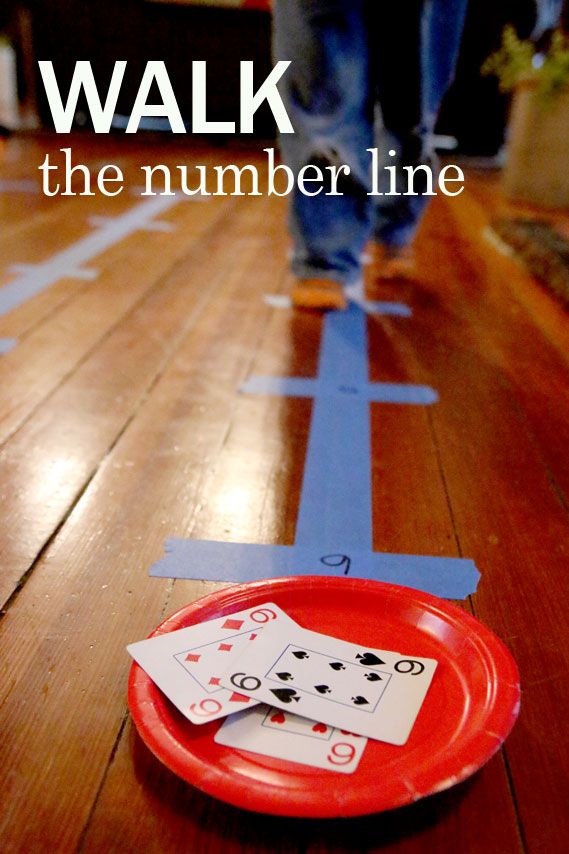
x,y
285,676
371,677
369,659
336,665
322,689
285,695
360,701
301,654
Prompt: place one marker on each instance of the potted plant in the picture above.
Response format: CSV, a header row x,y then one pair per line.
x,y
537,163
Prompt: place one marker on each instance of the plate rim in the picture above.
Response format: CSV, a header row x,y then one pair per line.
x,y
147,703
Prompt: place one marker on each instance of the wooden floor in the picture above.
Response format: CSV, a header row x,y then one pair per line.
x,y
120,425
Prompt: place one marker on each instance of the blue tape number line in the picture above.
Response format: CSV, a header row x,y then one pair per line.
x,y
7,344
19,186
31,279
334,525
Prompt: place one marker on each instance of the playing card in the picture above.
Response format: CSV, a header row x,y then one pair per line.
x,y
186,664
284,735
372,692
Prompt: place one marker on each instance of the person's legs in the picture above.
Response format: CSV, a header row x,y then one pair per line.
x,y
397,66
442,23
327,95
425,67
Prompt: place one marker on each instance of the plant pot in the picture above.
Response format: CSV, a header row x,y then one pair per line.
x,y
537,165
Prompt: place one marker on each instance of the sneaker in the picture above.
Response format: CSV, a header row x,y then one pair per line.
x,y
394,262
318,294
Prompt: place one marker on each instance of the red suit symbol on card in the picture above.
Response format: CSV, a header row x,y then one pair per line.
x,y
225,647
278,718
232,624
191,656
319,728
238,698
213,681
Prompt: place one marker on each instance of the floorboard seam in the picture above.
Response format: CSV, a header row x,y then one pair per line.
x,y
20,584
557,490
440,466
512,789
83,835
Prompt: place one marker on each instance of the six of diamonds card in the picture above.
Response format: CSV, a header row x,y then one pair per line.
x,y
187,664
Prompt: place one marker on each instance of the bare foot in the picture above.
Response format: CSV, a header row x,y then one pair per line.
x,y
318,294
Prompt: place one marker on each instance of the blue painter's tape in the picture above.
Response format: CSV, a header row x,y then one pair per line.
x,y
334,525
7,344
19,186
343,350
335,504
399,393
393,309
33,278
450,578
378,392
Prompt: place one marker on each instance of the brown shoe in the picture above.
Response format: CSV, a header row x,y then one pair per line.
x,y
394,262
318,294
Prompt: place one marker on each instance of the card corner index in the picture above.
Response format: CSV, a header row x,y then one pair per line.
x,y
280,613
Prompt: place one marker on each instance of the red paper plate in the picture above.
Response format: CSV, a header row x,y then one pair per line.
x,y
469,709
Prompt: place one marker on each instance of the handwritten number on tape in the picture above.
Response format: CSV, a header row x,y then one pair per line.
x,y
337,560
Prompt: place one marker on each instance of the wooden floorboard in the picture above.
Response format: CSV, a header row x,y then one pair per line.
x,y
121,425
143,487
54,453
531,347
511,520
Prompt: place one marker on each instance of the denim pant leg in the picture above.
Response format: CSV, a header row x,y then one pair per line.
x,y
326,90
396,218
441,33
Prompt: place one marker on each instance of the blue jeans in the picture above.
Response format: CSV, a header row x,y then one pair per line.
x,y
362,75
